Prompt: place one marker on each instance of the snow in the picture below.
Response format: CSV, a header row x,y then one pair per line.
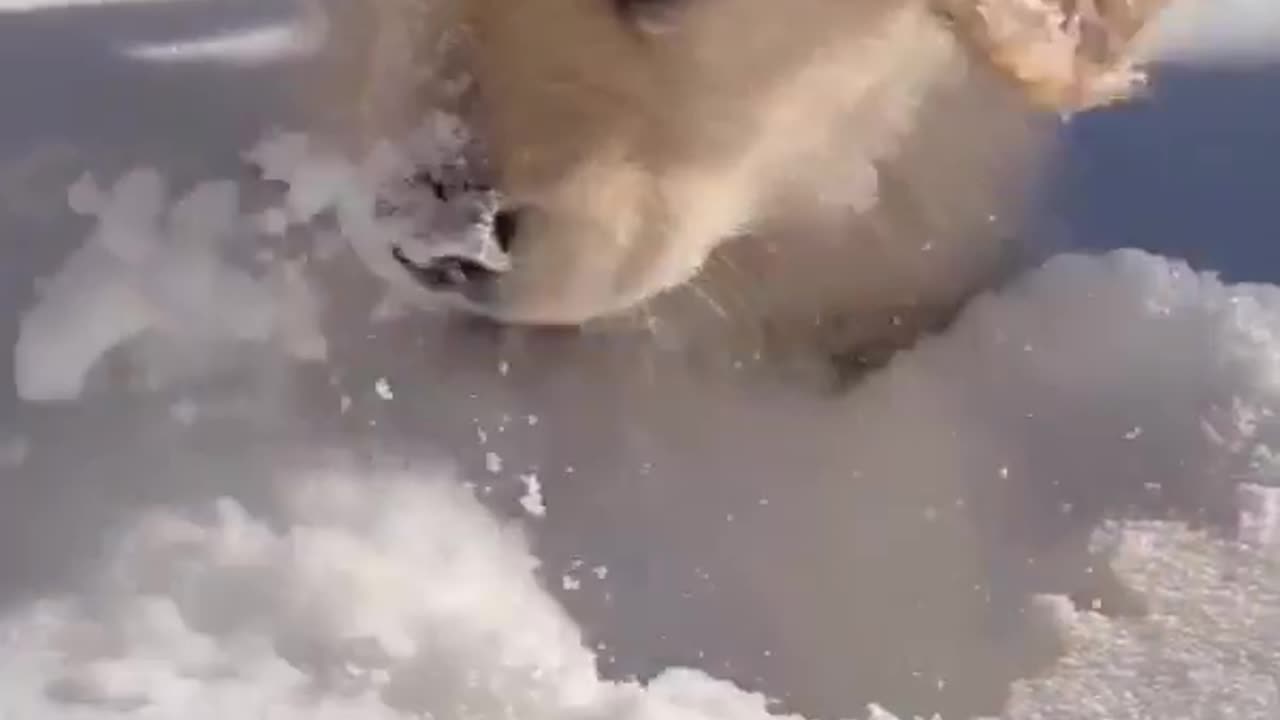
x,y
383,594
532,501
399,595
493,462
152,266
1210,648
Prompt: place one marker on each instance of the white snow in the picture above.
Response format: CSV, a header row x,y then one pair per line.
x,y
152,266
493,462
1209,649
393,596
532,501
399,596
378,597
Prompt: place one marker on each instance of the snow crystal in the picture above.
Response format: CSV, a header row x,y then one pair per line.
x,y
493,462
531,501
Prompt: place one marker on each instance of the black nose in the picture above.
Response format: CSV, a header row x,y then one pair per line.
x,y
506,224
465,275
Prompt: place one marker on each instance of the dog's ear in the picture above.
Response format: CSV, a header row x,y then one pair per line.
x,y
1066,55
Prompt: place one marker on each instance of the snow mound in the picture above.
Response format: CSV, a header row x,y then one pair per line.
x,y
155,266
383,596
1210,647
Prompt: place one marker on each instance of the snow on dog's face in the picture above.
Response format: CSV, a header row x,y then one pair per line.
x,y
630,138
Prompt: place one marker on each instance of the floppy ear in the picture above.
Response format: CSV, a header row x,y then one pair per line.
x,y
1066,55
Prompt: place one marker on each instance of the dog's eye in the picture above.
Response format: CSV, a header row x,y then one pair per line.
x,y
650,16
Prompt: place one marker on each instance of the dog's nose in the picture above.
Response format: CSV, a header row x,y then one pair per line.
x,y
506,226
467,275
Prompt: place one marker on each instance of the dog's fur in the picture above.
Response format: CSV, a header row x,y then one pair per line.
x,y
875,154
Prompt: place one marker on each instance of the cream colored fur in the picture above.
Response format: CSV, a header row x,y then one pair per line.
x,y
874,152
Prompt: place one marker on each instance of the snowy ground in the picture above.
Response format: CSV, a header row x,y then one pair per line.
x,y
235,482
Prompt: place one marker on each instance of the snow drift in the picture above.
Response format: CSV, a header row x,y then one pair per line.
x,y
397,594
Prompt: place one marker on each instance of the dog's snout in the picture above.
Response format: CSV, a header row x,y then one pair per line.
x,y
489,232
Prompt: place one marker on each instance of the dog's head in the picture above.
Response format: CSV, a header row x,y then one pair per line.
x,y
628,139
